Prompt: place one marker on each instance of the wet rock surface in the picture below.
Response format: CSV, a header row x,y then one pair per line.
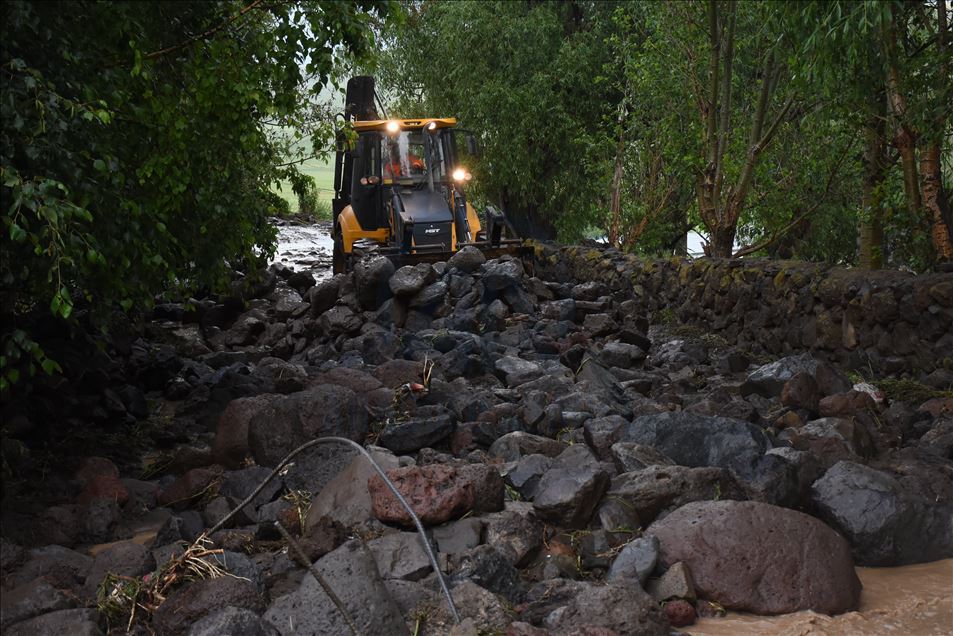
x,y
562,446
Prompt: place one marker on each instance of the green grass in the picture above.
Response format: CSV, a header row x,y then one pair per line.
x,y
323,174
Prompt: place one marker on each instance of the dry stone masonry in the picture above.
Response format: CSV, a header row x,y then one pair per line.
x,y
884,321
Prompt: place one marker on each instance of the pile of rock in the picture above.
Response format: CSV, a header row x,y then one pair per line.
x,y
579,472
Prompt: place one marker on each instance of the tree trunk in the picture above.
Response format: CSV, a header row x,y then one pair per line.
x,y
871,231
721,242
615,199
934,202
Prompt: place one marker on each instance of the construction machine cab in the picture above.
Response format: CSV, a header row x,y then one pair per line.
x,y
399,187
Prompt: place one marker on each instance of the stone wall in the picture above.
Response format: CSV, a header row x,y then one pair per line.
x,y
886,321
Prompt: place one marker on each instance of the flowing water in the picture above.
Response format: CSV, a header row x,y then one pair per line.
x,y
910,600
306,247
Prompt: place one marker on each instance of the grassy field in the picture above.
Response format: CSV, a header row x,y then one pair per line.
x,y
323,174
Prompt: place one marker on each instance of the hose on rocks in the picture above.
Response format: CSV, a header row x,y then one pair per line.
x,y
380,471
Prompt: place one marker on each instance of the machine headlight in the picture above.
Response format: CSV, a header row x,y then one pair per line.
x,y
461,175
393,127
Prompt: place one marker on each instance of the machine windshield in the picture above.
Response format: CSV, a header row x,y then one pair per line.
x,y
411,158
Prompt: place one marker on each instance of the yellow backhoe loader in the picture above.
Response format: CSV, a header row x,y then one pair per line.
x,y
399,189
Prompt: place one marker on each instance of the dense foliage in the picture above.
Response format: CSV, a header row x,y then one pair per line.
x,y
135,151
749,121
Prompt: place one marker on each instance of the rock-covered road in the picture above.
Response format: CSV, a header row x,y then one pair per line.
x,y
580,470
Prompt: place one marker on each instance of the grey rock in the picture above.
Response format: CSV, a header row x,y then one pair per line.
x,y
516,371
602,432
29,600
352,571
675,583
622,355
558,309
629,457
569,492
883,522
372,281
232,621
499,275
699,440
411,435
346,498
187,605
768,380
63,567
429,296
324,295
340,319
490,569
599,324
291,420
466,260
658,489
515,532
239,484
619,606
458,537
512,446
636,560
526,474
399,555
410,279
125,559
75,622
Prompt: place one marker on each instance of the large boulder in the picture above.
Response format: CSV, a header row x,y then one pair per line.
x,y
759,558
769,380
428,426
436,493
657,489
570,490
353,573
885,523
371,281
346,498
690,439
75,622
291,420
620,607
186,605
230,447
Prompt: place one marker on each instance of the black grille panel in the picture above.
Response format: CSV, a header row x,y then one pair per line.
x,y
433,234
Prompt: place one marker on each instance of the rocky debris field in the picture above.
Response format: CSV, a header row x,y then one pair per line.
x,y
578,469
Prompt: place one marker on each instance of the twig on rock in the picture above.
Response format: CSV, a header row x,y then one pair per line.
x,y
317,577
380,471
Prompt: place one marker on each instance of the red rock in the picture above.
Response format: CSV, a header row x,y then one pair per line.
x,y
190,485
937,406
437,493
846,404
230,447
104,487
760,558
801,392
462,440
680,613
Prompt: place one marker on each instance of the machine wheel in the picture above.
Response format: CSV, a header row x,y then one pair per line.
x,y
338,258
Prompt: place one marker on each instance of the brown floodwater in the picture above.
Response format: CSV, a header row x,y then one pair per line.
x,y
910,600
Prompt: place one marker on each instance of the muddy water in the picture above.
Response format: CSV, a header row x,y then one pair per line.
x,y
912,600
306,247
